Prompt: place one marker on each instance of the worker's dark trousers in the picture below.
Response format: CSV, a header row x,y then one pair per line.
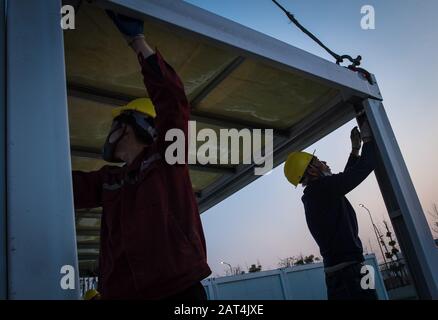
x,y
192,294
345,284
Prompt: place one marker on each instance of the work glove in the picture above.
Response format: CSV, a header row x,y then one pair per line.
x,y
365,131
364,126
356,140
130,28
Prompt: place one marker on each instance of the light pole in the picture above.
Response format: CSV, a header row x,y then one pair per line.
x,y
377,234
229,265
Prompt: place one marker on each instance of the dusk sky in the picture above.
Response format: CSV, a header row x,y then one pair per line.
x,y
265,221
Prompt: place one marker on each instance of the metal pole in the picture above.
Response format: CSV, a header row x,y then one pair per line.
x,y
382,241
3,228
404,208
42,257
375,233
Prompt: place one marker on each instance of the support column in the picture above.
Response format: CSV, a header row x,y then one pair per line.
x,y
41,226
404,208
3,251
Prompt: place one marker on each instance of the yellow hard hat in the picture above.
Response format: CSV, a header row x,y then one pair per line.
x,y
143,105
296,165
91,294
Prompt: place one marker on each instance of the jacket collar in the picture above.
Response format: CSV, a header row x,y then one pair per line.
x,y
135,165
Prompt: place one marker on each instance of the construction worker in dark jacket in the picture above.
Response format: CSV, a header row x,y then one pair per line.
x,y
152,242
330,216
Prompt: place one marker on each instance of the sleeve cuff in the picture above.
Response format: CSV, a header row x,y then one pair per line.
x,y
155,65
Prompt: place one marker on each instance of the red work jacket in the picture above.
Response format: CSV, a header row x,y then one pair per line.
x,y
152,242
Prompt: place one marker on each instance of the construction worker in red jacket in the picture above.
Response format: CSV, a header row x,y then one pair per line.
x,y
152,242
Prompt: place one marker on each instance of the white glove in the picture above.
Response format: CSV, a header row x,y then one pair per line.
x,y
365,131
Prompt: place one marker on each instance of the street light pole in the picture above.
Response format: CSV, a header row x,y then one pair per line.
x,y
229,265
376,233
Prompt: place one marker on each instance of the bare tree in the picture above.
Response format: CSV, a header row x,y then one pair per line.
x,y
393,253
297,261
309,259
238,270
234,271
255,268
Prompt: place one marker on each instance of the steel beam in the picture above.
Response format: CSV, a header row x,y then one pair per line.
x,y
403,205
119,99
88,256
85,152
88,214
91,153
89,245
41,225
303,135
88,231
192,21
3,228
216,81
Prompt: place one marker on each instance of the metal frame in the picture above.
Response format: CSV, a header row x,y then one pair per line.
x,y
41,225
249,43
50,224
400,196
302,135
114,98
91,153
404,208
3,255
208,27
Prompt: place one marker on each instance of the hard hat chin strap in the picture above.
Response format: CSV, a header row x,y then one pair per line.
x,y
320,172
325,173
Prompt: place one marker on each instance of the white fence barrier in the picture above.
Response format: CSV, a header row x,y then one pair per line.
x,y
306,282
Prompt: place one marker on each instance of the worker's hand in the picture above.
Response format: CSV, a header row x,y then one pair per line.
x,y
365,131
130,28
356,141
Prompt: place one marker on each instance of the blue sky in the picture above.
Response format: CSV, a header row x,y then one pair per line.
x,y
265,221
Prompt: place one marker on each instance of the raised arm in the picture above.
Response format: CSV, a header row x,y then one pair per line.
x,y
356,143
133,32
164,86
166,91
342,183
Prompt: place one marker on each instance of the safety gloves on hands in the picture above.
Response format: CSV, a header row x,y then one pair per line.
x,y
365,131
356,140
130,28
364,127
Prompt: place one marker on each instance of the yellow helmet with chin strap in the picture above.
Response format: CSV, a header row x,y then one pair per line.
x,y
139,114
296,165
143,105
